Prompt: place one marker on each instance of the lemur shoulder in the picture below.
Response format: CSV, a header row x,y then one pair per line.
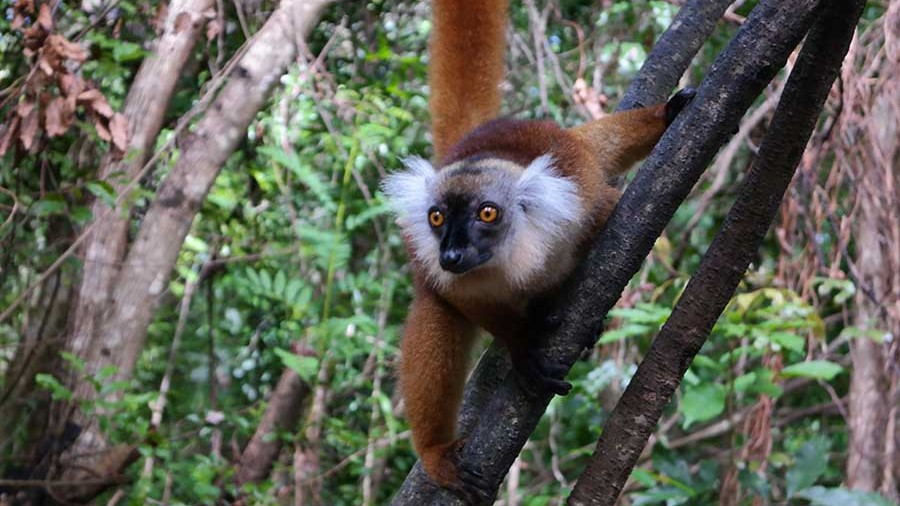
x,y
501,219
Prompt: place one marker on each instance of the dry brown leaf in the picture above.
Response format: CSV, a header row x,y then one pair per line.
x,y
89,95
8,135
61,46
45,64
101,107
34,37
57,118
24,108
29,129
158,22
45,19
71,85
25,6
118,128
17,22
102,131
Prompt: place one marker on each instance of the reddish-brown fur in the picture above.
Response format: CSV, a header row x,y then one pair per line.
x,y
467,66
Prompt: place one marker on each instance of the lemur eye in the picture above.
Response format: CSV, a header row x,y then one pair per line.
x,y
435,218
488,213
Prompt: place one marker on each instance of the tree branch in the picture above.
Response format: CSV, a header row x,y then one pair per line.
x,y
148,265
673,52
145,272
145,107
711,287
281,414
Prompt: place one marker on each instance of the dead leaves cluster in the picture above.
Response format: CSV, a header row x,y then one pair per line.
x,y
53,93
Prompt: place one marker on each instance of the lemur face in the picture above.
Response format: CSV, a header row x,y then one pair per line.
x,y
483,212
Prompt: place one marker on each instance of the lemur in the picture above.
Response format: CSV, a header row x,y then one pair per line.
x,y
498,222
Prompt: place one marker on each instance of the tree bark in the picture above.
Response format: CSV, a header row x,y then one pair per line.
x,y
119,336
711,287
145,107
739,74
873,461
281,414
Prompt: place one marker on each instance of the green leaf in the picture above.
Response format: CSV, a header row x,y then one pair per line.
x,y
305,367
57,390
821,496
127,51
50,204
816,369
195,244
788,341
624,332
74,360
280,282
702,403
103,191
810,464
743,382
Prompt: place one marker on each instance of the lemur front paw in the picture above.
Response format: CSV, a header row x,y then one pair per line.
x,y
679,101
444,466
537,374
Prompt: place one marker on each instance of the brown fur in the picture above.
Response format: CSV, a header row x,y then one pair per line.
x,y
439,329
467,66
467,48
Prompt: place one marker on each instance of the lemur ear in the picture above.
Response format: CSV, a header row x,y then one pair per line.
x,y
549,199
408,190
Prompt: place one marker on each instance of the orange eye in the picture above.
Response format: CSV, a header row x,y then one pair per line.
x,y
435,218
488,214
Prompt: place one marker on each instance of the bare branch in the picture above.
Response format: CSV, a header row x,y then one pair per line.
x,y
281,414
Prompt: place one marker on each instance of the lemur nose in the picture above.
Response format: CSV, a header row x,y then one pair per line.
x,y
451,258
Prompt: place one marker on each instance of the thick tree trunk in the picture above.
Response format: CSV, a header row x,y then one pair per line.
x,y
873,463
145,107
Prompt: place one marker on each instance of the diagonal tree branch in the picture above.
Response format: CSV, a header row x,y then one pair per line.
x,y
711,287
673,52
148,265
758,51
145,107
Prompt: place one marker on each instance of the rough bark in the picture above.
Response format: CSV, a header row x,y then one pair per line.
x,y
281,414
873,463
739,74
146,269
145,107
722,267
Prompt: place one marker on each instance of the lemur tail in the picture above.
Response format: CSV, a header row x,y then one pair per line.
x,y
467,48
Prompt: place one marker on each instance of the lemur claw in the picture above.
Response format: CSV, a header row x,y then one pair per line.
x,y
679,101
537,374
473,487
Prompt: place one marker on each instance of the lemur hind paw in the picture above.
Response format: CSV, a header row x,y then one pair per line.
x,y
444,466
679,101
538,374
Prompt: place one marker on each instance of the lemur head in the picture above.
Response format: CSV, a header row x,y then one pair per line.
x,y
481,212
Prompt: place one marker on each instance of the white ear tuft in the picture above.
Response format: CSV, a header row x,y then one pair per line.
x,y
549,200
408,190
